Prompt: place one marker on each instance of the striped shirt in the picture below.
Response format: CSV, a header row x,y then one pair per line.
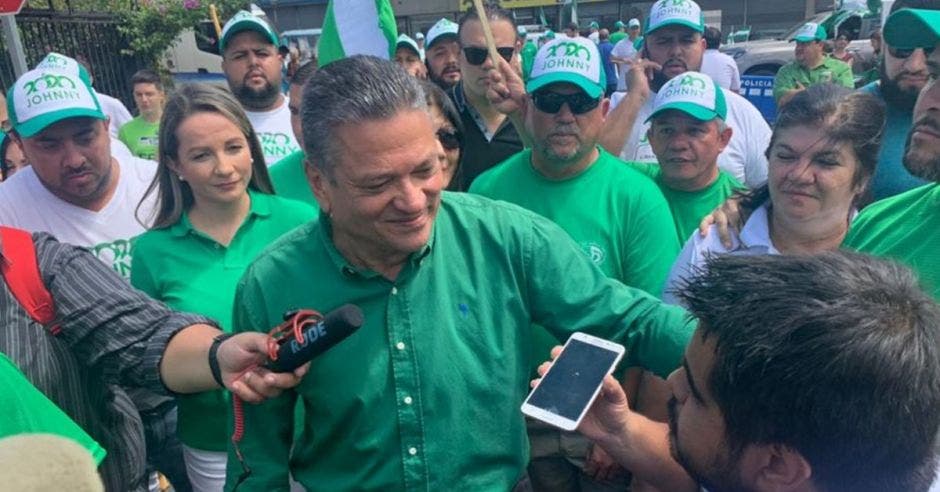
x,y
112,336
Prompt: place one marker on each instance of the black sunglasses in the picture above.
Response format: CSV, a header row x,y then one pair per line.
x,y
904,53
476,56
449,140
551,102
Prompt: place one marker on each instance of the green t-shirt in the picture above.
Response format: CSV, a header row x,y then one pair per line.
x,y
191,272
831,70
689,207
141,137
528,57
26,410
290,180
617,37
906,228
426,394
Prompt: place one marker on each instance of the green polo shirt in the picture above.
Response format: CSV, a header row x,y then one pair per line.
x,y
831,70
426,395
26,410
191,272
905,228
690,207
290,180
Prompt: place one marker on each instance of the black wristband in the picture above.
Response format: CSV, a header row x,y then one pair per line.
x,y
214,359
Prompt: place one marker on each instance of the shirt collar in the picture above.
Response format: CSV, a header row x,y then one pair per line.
x,y
260,206
756,231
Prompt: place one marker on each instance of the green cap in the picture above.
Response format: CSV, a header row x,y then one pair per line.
x,y
549,34
675,13
810,31
619,25
693,93
572,60
405,40
913,28
42,97
245,21
594,25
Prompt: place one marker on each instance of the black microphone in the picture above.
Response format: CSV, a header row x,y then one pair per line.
x,y
317,338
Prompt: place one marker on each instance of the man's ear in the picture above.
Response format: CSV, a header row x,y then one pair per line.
x,y
724,138
774,468
317,181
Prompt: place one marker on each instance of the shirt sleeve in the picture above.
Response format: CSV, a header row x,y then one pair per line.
x,y
735,77
783,81
567,293
758,138
650,242
845,76
110,326
266,443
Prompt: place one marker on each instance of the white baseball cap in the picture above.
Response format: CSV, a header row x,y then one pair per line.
x,y
419,35
675,12
405,40
572,60
693,93
42,97
634,22
246,21
440,29
810,31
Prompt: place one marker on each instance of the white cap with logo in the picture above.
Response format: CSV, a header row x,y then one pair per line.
x,y
693,93
442,28
675,13
42,97
572,60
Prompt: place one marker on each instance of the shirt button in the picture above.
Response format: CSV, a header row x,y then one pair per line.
x,y
349,272
394,290
408,400
412,451
400,345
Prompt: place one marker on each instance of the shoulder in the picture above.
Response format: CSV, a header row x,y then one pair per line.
x,y
289,208
923,197
135,169
498,174
480,216
292,159
740,108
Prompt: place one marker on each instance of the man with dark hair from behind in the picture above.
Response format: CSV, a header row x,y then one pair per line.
x,y
806,373
287,174
717,65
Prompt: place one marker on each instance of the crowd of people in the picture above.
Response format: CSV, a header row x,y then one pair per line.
x,y
776,288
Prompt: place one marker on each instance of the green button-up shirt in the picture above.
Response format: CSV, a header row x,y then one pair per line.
x,y
831,70
426,395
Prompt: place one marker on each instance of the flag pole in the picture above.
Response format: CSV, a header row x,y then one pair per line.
x,y
487,33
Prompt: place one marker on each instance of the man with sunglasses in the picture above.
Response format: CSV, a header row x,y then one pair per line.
x,y
489,136
902,74
810,66
674,44
616,215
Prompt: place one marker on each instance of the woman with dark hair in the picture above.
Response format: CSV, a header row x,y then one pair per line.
x,y
821,157
215,212
446,120
12,158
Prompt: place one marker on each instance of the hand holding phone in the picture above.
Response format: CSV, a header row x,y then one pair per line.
x,y
565,393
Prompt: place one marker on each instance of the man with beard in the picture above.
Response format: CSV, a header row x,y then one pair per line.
x,y
902,74
906,227
674,45
442,54
616,215
833,388
252,66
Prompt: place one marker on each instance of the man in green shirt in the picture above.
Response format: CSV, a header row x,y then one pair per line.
x,y
687,132
287,174
620,33
811,65
906,227
141,133
426,395
616,215
528,51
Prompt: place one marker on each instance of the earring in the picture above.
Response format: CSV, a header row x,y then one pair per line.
x,y
180,176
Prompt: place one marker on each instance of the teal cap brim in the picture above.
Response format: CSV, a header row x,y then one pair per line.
x,y
913,28
592,89
40,123
678,22
693,110
246,25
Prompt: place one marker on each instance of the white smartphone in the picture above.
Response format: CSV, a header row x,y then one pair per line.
x,y
568,389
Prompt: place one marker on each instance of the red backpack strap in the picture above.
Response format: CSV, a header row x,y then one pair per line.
x,y
21,273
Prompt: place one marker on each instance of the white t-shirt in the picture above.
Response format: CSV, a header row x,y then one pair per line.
x,y
623,49
754,239
722,69
25,203
744,156
595,36
116,111
274,132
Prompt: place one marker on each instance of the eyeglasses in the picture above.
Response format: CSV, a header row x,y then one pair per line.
x,y
905,53
449,140
476,56
551,102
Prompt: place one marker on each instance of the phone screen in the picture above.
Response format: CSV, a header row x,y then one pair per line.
x,y
574,377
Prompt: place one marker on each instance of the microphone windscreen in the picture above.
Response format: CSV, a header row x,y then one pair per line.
x,y
335,327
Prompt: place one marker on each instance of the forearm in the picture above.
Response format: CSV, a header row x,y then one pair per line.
x,y
643,448
185,364
620,121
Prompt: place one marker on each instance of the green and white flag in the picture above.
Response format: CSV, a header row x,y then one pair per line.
x,y
357,27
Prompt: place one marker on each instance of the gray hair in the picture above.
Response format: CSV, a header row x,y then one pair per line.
x,y
350,91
